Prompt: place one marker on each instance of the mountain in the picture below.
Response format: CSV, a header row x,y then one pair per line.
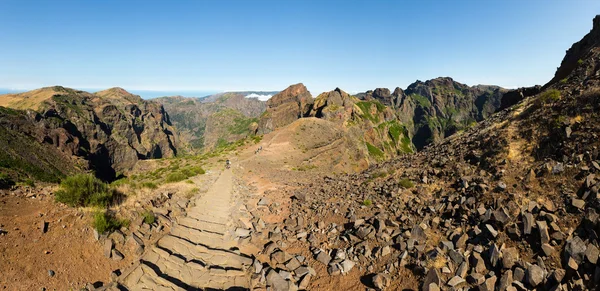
x,y
214,120
438,108
510,203
380,124
111,130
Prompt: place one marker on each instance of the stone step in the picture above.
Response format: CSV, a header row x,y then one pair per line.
x,y
208,239
208,219
196,224
209,257
210,210
190,274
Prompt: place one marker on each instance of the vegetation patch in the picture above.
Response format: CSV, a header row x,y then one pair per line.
x,y
365,107
406,183
84,190
5,181
241,125
421,100
149,185
374,151
550,96
367,202
305,168
184,173
104,222
149,217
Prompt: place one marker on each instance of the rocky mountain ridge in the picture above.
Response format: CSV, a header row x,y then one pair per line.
x,y
382,124
111,130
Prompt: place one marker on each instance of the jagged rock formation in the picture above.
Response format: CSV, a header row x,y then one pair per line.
x,y
438,108
578,53
285,107
513,97
25,156
208,122
110,129
389,123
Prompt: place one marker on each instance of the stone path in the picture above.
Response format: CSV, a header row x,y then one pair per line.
x,y
199,253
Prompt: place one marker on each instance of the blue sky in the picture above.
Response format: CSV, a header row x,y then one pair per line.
x,y
267,45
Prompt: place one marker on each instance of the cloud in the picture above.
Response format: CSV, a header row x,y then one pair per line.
x,y
260,97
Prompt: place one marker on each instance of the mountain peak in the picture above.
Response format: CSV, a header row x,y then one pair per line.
x,y
118,93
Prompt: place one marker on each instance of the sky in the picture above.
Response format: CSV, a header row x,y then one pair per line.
x,y
214,46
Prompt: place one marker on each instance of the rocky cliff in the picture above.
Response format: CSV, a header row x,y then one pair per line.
x,y
110,129
437,108
285,107
578,53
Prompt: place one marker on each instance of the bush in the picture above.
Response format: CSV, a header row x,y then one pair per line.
x,y
5,181
84,190
367,202
406,183
184,173
175,177
149,185
550,96
149,217
104,222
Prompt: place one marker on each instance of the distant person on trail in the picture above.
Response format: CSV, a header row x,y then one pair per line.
x,y
227,164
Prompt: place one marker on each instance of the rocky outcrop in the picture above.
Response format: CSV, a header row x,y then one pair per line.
x,y
286,107
437,108
513,97
111,129
579,51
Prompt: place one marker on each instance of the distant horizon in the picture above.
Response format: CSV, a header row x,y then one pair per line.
x,y
152,94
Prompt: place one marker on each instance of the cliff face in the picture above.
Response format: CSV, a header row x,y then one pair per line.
x,y
205,123
285,107
578,53
111,129
437,108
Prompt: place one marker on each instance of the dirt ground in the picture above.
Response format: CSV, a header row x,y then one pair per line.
x,y
68,247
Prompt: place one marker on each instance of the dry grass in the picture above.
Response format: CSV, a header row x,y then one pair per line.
x,y
439,262
28,100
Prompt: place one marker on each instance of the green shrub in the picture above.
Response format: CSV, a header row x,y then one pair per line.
x,y
379,174
175,177
105,222
367,202
29,182
5,181
580,61
149,185
406,183
149,217
84,190
374,151
550,96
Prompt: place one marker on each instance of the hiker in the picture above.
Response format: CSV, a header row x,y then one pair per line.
x,y
227,164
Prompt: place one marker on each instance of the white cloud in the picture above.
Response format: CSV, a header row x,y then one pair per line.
x,y
260,97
